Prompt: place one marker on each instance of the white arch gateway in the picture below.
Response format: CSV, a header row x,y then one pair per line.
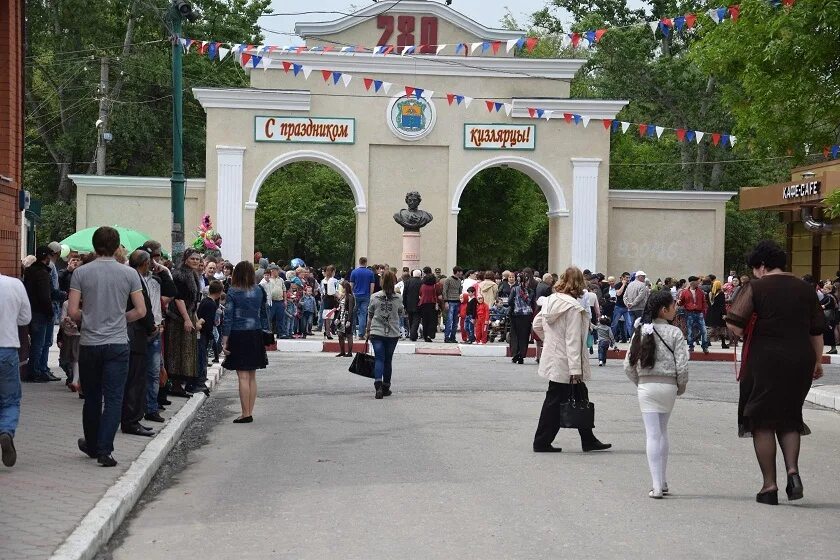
x,y
392,123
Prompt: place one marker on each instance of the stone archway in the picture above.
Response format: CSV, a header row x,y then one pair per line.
x,y
548,184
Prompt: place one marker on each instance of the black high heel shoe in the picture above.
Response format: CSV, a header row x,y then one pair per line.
x,y
794,489
771,497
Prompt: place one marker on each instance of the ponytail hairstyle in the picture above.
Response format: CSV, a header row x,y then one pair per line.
x,y
643,346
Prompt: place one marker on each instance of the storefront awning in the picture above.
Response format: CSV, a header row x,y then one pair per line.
x,y
808,191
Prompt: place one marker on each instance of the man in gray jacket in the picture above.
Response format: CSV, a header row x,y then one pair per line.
x,y
636,295
452,297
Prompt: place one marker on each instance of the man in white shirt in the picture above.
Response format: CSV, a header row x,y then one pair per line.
x,y
14,312
470,281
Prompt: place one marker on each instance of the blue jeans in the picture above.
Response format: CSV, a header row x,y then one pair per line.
x,y
383,352
306,322
201,373
103,370
48,341
362,303
695,320
9,390
603,346
450,325
278,317
152,374
38,335
469,325
618,313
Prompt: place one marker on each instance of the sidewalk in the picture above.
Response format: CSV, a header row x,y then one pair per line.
x,y
53,486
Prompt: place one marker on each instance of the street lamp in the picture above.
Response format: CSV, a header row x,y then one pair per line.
x,y
179,10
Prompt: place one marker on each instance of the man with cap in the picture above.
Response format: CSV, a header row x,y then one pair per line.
x,y
411,302
636,295
36,280
693,300
58,298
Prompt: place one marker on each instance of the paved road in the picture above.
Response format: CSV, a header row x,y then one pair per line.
x,y
443,469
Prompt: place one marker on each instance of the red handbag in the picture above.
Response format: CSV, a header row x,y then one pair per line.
x,y
745,350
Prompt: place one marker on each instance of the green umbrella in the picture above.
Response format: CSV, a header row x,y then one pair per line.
x,y
82,240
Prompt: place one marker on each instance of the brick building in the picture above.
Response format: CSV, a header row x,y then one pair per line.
x,y
11,132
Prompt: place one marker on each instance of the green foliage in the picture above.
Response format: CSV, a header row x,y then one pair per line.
x,y
306,210
503,222
58,220
744,230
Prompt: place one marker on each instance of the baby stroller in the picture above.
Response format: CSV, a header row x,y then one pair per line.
x,y
499,323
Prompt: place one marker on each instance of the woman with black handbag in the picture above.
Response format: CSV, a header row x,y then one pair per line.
x,y
657,364
563,325
385,315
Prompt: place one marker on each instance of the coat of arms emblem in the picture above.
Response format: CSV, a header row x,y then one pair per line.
x,y
411,118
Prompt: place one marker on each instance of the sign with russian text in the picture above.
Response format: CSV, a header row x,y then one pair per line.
x,y
304,130
801,190
500,137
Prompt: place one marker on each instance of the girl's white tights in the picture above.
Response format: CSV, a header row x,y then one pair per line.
x,y
656,428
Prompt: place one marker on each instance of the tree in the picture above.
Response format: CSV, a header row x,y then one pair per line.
x,y
306,210
503,222
65,42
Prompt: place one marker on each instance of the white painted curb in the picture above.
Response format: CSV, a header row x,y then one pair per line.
x,y
104,519
300,346
825,395
483,350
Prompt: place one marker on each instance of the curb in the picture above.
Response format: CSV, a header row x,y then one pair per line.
x,y
825,395
100,523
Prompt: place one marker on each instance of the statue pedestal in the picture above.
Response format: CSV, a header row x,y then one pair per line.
x,y
411,249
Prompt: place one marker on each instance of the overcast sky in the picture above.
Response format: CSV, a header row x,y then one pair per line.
x,y
486,12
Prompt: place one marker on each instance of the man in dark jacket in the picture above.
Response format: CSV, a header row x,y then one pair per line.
x,y
38,284
411,302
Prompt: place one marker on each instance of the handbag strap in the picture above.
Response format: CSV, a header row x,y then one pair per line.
x,y
673,354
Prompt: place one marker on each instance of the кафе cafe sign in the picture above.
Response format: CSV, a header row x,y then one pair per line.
x,y
801,190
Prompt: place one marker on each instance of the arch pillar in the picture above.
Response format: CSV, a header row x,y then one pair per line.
x,y
230,168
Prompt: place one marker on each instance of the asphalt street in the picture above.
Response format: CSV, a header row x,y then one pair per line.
x,y
444,469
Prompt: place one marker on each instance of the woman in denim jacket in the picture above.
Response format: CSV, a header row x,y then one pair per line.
x,y
242,335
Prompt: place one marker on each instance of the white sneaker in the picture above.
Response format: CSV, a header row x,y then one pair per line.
x,y
600,363
655,495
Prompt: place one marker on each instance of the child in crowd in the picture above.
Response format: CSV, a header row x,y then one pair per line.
x,y
482,320
462,316
218,325
207,319
307,311
292,312
470,314
70,336
605,338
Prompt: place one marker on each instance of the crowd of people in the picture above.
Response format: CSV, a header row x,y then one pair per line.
x,y
135,329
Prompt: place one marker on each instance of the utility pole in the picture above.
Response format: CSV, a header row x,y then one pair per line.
x,y
102,125
178,191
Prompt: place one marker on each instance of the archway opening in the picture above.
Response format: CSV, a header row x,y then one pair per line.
x,y
503,222
306,210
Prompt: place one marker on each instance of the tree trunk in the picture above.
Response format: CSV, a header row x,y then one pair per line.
x,y
687,171
716,176
700,168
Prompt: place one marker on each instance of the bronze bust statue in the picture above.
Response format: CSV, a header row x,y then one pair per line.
x,y
412,219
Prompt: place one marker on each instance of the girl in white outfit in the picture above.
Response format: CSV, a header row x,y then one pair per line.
x,y
657,363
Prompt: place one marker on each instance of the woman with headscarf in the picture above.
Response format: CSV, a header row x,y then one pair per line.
x,y
181,346
428,305
717,312
521,305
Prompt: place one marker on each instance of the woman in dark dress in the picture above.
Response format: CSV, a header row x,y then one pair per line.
x,y
181,346
243,340
783,353
717,310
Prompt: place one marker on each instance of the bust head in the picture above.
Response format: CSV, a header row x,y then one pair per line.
x,y
413,200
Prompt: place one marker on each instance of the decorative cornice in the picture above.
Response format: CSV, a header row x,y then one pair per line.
x,y
124,181
250,98
586,163
321,28
595,108
473,66
230,150
670,196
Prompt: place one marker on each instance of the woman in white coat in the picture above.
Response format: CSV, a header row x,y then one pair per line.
x,y
563,325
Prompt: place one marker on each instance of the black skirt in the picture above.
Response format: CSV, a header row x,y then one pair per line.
x,y
247,352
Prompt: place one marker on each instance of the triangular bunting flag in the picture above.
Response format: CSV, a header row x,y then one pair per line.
x,y
732,139
287,66
386,86
467,101
428,94
540,113
607,124
498,106
489,106
409,91
368,82
568,117
575,38
418,93
681,134
474,47
679,23
508,108
585,120
835,151
590,36
700,136
721,13
377,84
336,76
202,48
651,131
440,48
715,138
624,127
450,97
306,71
520,43
297,68
643,130
599,34
667,22
531,43
485,46
244,59
346,79
255,61
266,62
659,131
615,124
326,74
548,114
713,13
690,20
577,118
666,31
460,46
223,52
826,152
510,44
532,112
724,140
734,12
654,25
496,45
690,136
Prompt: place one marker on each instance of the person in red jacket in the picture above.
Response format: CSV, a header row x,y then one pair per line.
x,y
482,320
462,316
693,300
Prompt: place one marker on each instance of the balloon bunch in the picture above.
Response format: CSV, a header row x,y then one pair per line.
x,y
207,239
